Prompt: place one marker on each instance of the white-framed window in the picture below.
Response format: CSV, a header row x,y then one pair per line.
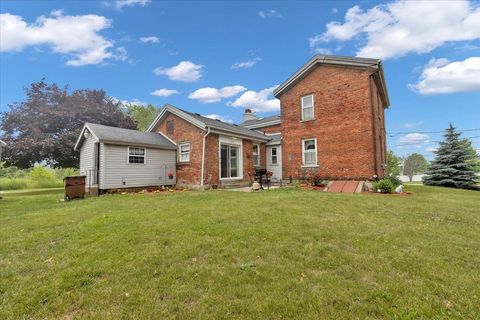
x,y
136,155
307,107
256,155
309,152
184,152
273,155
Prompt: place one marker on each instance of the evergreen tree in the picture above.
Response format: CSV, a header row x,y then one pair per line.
x,y
452,166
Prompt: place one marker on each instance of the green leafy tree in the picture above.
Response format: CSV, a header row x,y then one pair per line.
x,y
453,165
393,164
414,164
143,115
46,125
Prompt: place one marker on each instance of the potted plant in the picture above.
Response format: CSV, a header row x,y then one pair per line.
x,y
170,175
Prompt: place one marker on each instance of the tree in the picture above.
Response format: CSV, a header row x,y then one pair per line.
x,y
46,126
453,165
143,115
414,164
393,164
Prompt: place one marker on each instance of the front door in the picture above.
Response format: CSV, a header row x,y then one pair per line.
x,y
274,161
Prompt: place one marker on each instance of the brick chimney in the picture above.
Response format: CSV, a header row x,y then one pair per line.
x,y
249,115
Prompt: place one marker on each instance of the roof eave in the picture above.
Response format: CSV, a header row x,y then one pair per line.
x,y
331,60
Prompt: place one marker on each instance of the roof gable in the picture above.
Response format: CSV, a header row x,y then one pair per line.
x,y
354,62
115,135
204,123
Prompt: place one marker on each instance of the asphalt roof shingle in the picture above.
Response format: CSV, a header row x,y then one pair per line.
x,y
228,127
260,120
121,135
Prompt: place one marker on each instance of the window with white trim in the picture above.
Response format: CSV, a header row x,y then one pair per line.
x,y
309,152
184,152
307,107
256,155
136,155
274,156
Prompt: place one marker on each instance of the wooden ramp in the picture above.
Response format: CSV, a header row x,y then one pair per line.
x,y
349,186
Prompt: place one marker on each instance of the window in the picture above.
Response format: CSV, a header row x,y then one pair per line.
x,y
274,156
136,155
229,161
170,128
184,152
256,155
309,152
307,108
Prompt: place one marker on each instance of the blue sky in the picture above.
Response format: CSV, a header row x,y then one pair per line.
x,y
216,58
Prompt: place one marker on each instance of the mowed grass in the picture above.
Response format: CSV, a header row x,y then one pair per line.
x,y
279,254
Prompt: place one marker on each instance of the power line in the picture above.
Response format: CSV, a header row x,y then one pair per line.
x,y
391,134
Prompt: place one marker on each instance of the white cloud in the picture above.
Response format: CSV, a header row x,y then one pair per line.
x,y
149,39
185,71
431,149
264,14
401,27
414,138
119,4
120,54
245,64
211,95
219,117
261,101
74,36
412,124
322,51
129,102
163,92
441,76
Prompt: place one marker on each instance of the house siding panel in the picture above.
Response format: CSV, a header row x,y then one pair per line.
x,y
87,159
116,169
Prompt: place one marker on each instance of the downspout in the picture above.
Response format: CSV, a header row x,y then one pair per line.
x,y
203,155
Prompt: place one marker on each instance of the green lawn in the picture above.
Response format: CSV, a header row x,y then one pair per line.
x,y
279,254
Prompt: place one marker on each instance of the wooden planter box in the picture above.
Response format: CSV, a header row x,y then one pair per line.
x,y
74,187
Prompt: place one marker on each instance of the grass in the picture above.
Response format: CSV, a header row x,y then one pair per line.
x,y
277,254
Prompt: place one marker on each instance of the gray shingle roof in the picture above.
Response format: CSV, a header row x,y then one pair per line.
x,y
228,127
128,136
276,139
260,120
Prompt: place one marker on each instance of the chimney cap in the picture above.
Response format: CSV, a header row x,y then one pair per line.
x,y
248,110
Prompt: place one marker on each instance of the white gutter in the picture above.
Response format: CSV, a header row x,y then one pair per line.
x,y
203,155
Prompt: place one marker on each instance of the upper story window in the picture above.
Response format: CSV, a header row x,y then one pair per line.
x,y
136,155
274,156
170,128
256,155
184,152
307,107
309,152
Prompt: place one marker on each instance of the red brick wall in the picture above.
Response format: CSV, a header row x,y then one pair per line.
x,y
342,125
379,134
187,173
271,129
212,160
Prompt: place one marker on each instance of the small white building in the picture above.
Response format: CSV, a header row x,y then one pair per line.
x,y
113,158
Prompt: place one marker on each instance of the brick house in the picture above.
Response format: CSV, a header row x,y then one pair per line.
x,y
331,124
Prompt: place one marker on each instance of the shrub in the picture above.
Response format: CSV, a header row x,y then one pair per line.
x,y
14,184
44,177
384,185
394,180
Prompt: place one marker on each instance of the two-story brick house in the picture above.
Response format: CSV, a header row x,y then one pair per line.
x,y
331,124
